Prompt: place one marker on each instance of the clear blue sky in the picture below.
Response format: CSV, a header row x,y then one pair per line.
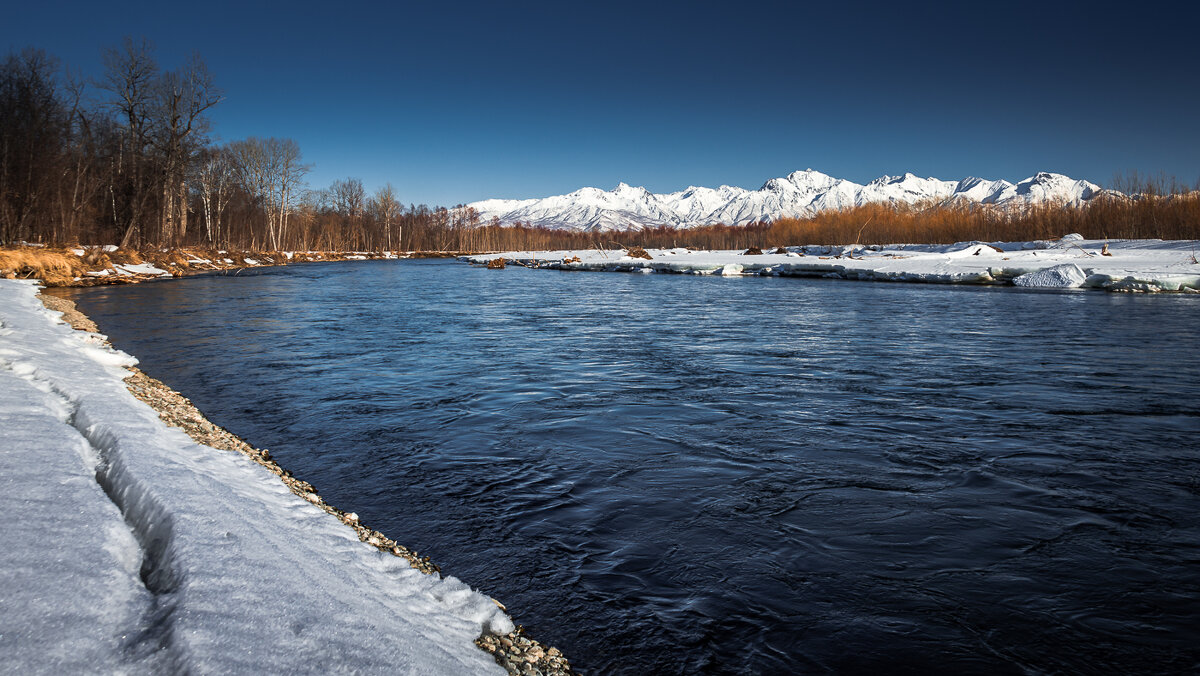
x,y
466,100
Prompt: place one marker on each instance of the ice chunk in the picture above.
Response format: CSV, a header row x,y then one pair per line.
x,y
1066,276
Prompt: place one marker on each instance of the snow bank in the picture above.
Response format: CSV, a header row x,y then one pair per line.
x,y
1132,265
131,548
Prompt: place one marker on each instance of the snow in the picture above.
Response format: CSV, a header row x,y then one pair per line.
x,y
1065,276
140,269
1070,262
799,194
130,548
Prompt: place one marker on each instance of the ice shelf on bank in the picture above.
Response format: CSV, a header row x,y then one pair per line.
x,y
130,548
1068,263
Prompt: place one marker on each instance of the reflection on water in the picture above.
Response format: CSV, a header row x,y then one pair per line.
x,y
664,474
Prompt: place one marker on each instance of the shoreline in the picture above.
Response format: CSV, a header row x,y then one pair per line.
x,y
1068,263
81,267
515,652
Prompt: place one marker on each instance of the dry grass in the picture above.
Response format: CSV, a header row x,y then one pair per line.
x,y
55,267
126,257
62,267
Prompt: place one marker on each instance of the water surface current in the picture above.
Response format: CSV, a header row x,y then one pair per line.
x,y
667,474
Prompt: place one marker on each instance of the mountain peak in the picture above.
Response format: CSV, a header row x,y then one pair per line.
x,y
810,176
799,194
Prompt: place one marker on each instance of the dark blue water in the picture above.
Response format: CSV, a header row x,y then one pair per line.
x,y
668,474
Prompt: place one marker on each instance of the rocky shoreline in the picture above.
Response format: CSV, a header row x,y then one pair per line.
x,y
517,653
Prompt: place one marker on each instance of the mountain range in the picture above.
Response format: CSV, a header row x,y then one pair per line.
x,y
799,194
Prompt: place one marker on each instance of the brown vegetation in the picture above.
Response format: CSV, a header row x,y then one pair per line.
x,y
52,266
66,267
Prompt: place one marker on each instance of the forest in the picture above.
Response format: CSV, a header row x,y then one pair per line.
x,y
129,159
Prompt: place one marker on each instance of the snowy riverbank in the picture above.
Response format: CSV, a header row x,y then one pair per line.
x,y
1068,263
129,547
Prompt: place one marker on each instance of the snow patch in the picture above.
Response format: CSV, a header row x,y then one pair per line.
x,y
141,269
1067,276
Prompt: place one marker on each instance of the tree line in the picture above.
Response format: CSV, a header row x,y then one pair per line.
x,y
129,158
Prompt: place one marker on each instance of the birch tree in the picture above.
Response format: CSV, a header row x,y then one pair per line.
x,y
215,182
286,182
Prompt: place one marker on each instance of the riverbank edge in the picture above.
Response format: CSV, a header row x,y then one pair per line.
x,y
638,260
75,267
516,653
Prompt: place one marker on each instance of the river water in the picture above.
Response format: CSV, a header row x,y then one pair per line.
x,y
676,474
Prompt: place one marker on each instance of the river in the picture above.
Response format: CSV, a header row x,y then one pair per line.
x,y
677,474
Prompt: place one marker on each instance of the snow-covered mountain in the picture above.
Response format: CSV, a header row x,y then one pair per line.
x,y
800,193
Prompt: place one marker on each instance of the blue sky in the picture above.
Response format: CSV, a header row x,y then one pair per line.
x,y
468,101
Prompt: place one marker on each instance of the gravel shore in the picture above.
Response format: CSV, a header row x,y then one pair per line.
x,y
517,653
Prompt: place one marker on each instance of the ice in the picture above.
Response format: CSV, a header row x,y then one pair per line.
x,y
1066,276
141,269
130,548
71,592
1132,265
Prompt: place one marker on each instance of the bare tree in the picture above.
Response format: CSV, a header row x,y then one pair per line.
x,y
386,208
215,179
287,180
130,72
181,98
270,170
349,203
33,136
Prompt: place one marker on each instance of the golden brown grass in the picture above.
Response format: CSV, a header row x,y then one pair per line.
x,y
54,267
